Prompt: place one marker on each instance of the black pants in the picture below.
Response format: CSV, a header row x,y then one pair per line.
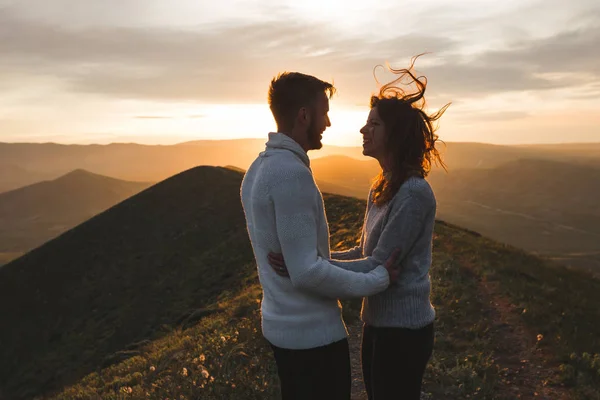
x,y
394,361
314,374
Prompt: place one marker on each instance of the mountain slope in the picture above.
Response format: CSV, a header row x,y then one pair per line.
x,y
15,176
509,325
117,278
31,215
544,206
158,297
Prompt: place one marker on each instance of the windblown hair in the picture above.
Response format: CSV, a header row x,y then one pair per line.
x,y
290,91
410,132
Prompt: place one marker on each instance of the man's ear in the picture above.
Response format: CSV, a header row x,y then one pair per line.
x,y
304,116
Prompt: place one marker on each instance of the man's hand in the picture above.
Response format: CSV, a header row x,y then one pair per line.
x,y
390,265
278,264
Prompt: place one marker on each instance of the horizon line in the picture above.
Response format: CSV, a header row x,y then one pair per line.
x,y
189,142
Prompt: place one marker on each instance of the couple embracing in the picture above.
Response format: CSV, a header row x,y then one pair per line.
x,y
302,279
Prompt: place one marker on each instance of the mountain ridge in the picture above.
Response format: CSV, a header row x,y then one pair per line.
x,y
35,213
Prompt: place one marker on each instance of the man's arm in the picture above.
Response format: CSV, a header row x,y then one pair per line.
x,y
296,208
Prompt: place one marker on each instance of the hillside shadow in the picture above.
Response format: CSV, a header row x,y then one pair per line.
x,y
83,300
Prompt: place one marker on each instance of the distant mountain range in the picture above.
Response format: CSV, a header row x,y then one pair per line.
x,y
26,163
547,207
34,214
15,176
538,197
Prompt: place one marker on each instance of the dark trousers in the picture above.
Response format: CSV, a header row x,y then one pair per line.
x,y
314,374
394,361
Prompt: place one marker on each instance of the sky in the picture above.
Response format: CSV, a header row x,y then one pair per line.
x,y
152,71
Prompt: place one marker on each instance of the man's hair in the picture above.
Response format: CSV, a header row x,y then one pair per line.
x,y
290,91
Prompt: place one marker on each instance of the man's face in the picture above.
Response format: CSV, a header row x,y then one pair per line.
x,y
319,121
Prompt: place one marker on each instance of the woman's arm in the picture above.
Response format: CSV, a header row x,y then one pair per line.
x,y
296,225
401,230
400,233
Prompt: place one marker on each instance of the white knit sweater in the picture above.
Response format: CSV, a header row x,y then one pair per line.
x,y
285,214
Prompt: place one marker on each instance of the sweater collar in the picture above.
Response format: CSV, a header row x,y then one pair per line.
x,y
279,140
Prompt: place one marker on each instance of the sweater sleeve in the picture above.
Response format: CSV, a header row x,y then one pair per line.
x,y
401,231
296,207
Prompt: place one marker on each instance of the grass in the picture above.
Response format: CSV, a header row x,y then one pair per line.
x,y
557,306
222,356
492,302
119,279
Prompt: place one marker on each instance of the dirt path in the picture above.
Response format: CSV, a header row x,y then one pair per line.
x,y
526,368
358,388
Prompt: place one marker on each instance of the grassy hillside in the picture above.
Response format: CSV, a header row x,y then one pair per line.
x,y
507,327
31,215
118,278
166,305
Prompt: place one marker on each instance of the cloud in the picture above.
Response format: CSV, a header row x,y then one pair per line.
x,y
151,117
566,52
235,63
225,64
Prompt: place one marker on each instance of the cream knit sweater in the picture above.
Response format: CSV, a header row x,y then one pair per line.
x,y
285,214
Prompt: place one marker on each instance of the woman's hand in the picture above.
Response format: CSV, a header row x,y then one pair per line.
x,y
278,264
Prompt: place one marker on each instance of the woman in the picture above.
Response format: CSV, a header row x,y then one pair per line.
x,y
398,330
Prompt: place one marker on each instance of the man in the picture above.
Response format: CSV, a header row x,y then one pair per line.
x,y
301,316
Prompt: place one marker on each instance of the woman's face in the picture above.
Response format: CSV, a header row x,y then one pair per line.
x,y
374,136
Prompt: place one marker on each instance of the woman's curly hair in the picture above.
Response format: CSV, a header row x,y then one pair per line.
x,y
410,132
